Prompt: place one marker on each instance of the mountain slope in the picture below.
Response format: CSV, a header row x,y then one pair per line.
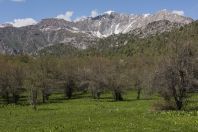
x,y
114,23
131,45
154,45
86,32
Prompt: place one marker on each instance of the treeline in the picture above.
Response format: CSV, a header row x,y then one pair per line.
x,y
66,75
173,76
43,76
164,64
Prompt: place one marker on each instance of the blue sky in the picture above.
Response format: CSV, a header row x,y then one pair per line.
x,y
11,10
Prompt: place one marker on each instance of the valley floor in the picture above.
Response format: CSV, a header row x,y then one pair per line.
x,y
88,115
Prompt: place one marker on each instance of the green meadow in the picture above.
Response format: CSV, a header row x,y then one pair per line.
x,y
82,114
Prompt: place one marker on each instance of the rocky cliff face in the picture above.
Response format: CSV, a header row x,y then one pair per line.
x,y
115,23
85,32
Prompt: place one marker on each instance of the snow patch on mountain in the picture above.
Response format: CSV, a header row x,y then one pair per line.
x,y
117,31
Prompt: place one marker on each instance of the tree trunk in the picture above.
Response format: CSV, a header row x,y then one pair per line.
x,y
98,95
43,96
138,93
69,89
69,92
15,98
34,99
118,95
138,87
47,97
179,104
7,97
95,93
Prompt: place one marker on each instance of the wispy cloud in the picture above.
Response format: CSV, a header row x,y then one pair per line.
x,y
19,1
109,12
181,13
94,13
80,18
23,22
67,16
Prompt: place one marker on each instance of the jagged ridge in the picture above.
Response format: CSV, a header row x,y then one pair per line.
x,y
83,33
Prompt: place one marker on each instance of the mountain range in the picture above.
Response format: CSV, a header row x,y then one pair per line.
x,y
85,32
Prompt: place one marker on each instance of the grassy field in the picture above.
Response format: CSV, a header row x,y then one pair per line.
x,y
89,115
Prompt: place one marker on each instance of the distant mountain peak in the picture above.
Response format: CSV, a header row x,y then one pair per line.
x,y
52,21
111,22
172,16
87,31
5,25
168,12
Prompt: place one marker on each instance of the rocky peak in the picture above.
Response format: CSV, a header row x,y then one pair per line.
x,y
81,34
170,16
110,15
1,26
111,22
5,25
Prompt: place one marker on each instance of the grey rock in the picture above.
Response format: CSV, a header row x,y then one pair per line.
x,y
83,33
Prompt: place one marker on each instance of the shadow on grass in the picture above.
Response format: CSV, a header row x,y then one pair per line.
x,y
146,99
46,109
192,109
110,99
105,98
81,97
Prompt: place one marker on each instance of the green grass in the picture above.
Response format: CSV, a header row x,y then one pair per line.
x,y
88,115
